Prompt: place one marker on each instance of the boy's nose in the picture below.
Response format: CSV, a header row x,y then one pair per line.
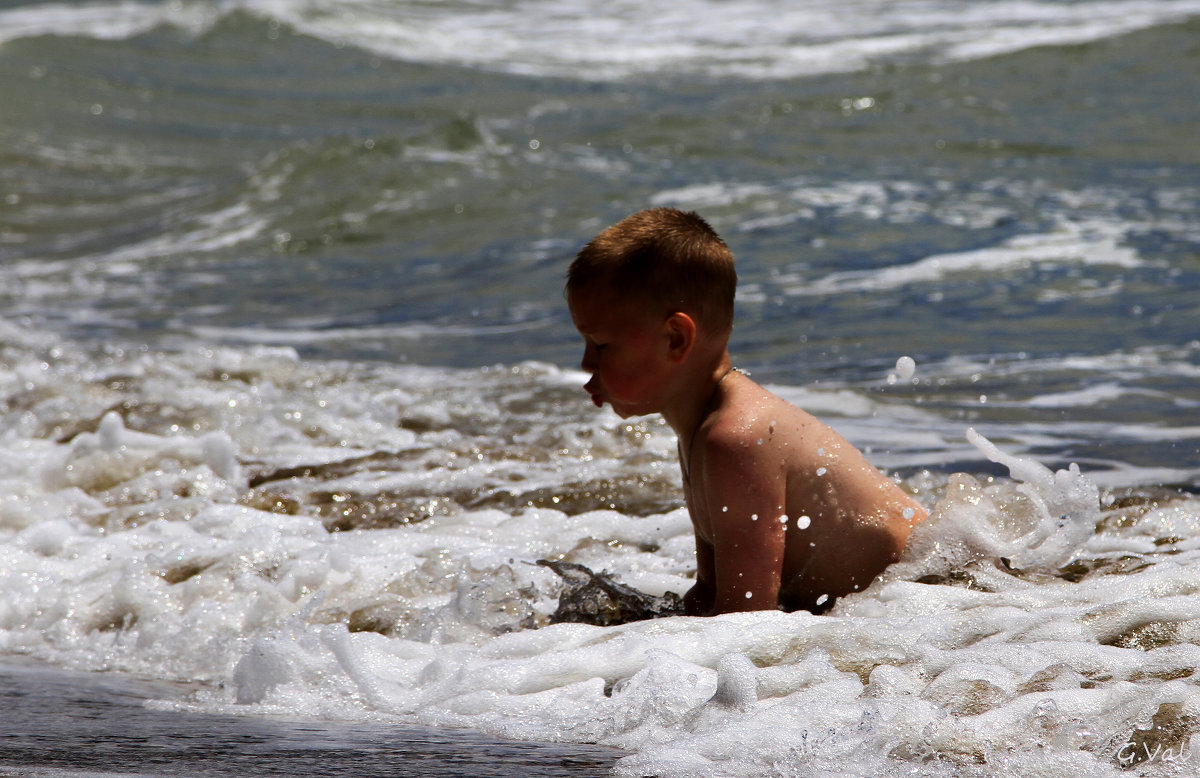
x,y
588,363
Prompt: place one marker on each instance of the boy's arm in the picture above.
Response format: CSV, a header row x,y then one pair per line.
x,y
699,599
745,495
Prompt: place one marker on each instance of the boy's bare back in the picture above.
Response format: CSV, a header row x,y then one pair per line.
x,y
787,512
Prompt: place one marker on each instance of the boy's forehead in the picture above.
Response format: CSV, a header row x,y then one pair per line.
x,y
601,308
588,307
583,294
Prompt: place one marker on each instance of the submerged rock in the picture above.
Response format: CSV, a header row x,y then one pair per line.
x,y
595,598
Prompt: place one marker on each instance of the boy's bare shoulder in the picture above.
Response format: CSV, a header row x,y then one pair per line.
x,y
757,433
756,417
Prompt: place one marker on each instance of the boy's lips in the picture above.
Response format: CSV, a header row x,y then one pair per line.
x,y
597,397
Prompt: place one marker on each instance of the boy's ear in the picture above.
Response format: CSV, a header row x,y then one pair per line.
x,y
681,336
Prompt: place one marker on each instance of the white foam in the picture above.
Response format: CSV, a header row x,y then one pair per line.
x,y
756,39
106,21
131,539
760,39
1093,243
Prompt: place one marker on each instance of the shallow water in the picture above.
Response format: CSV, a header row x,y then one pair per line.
x,y
60,723
289,412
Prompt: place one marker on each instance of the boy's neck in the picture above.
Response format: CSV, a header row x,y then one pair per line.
x,y
696,399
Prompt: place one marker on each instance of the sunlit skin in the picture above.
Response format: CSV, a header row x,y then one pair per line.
x,y
787,513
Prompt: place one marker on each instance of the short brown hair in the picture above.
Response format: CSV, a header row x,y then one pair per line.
x,y
663,256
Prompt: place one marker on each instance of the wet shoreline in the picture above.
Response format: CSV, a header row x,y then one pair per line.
x,y
67,723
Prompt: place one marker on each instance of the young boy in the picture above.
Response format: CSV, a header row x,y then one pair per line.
x,y
787,513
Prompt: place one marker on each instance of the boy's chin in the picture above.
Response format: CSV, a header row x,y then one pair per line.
x,y
626,412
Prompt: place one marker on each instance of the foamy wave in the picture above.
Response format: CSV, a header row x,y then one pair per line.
x,y
106,21
612,40
357,542
316,331
1073,243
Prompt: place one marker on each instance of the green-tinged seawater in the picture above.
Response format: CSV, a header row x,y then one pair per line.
x,y
256,179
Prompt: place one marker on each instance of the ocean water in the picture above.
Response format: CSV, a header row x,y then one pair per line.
x,y
290,406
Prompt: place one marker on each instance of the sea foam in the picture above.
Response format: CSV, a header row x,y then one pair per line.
x,y
759,39
359,542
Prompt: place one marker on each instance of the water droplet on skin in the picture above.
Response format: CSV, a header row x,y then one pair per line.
x,y
803,522
824,598
753,517
724,509
749,595
909,513
820,452
822,471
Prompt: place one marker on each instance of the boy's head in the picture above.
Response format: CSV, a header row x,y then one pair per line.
x,y
664,259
